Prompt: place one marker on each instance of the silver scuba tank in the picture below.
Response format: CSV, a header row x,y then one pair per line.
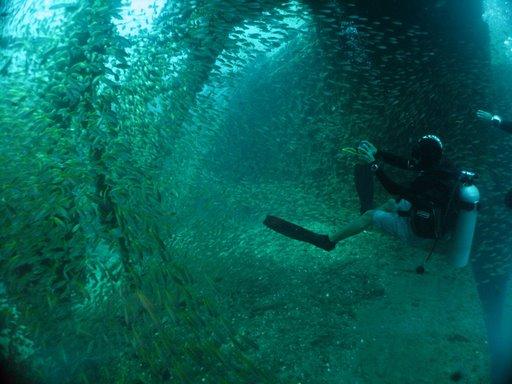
x,y
468,201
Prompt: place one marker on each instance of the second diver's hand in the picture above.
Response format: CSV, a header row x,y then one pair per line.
x,y
366,152
488,116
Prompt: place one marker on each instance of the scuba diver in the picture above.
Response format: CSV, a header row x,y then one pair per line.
x,y
504,125
439,204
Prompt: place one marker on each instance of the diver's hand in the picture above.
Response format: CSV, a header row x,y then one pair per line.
x,y
365,151
483,115
367,147
366,154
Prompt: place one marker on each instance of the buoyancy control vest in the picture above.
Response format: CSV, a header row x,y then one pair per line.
x,y
455,220
433,213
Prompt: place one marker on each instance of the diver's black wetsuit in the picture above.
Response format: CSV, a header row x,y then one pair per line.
x,y
507,127
504,125
427,180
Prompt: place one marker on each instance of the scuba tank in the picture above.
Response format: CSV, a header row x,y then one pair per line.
x,y
467,213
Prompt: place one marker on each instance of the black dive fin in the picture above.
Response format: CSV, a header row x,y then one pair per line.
x,y
363,177
298,233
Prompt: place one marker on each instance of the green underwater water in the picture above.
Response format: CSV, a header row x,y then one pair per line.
x,y
143,143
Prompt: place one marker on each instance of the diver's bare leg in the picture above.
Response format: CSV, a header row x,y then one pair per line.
x,y
361,223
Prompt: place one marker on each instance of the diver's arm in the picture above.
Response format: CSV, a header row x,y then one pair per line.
x,y
505,126
496,120
395,161
367,152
